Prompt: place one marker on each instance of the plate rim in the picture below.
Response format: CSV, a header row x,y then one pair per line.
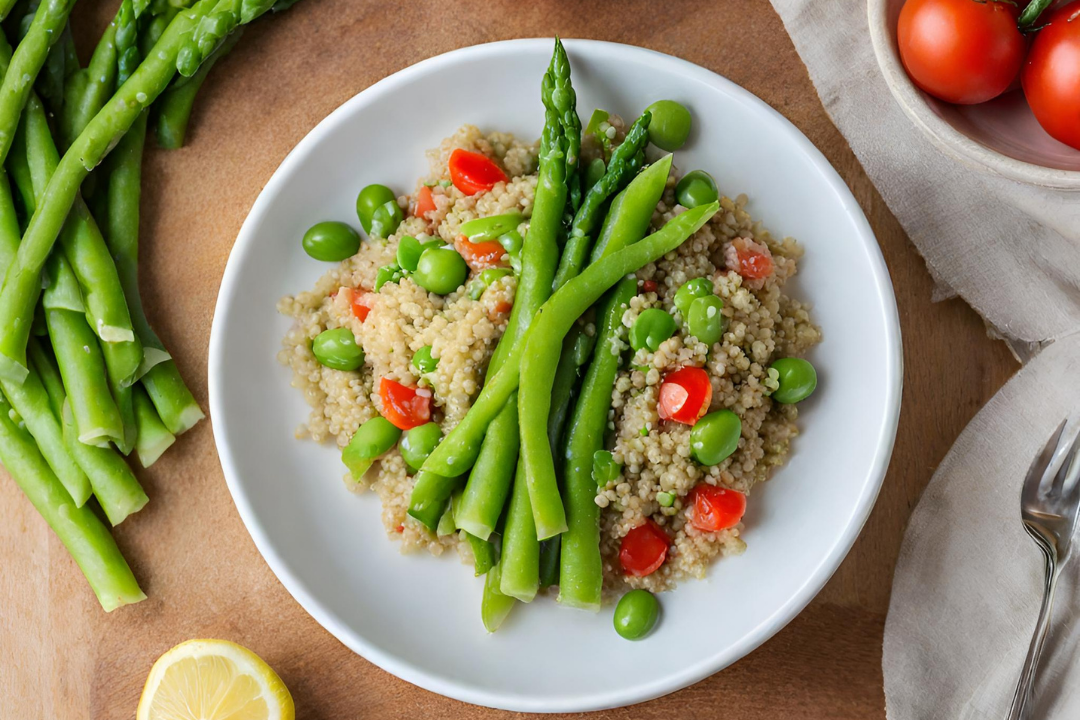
x,y
606,699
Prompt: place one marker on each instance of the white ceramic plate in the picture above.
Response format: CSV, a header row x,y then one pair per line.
x,y
417,616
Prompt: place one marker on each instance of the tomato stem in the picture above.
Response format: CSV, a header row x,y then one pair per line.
x,y
1031,14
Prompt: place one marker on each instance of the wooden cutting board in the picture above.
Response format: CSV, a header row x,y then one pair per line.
x,y
61,657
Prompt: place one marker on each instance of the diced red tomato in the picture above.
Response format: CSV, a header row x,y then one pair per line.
x,y
405,406
400,528
481,255
359,299
644,549
648,286
501,308
716,508
754,260
425,203
472,172
685,395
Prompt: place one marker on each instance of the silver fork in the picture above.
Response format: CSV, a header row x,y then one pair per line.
x,y
1048,508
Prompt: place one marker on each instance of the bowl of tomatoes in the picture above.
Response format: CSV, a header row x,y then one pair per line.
x,y
994,83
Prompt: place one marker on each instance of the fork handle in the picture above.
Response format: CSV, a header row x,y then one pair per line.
x,y
1018,710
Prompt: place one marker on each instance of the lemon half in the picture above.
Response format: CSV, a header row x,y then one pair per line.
x,y
214,680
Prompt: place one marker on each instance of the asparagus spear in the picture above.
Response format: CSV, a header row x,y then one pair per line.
x,y
82,533
175,104
88,89
26,63
154,438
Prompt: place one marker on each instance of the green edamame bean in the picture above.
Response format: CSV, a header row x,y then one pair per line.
x,y
408,253
798,379
371,440
691,290
386,219
512,243
604,468
388,274
652,327
337,349
696,188
489,228
331,241
670,125
593,172
636,614
705,321
490,275
423,362
715,436
369,200
440,270
665,499
418,443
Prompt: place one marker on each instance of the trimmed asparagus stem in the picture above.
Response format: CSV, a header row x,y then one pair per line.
x,y
172,399
494,606
115,486
23,280
125,403
153,437
79,529
484,555
520,561
176,103
492,476
26,63
88,89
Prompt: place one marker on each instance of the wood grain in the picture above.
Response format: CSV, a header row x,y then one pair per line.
x,y
63,658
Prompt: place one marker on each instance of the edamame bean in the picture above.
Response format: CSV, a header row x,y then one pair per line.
x,y
604,468
423,362
408,253
331,241
636,614
798,379
690,291
369,200
386,219
670,125
337,349
388,274
490,228
371,440
705,320
696,188
440,270
418,443
491,275
512,242
715,436
652,327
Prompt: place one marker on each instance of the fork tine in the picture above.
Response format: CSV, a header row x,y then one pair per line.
x,y
1070,469
1064,453
1038,475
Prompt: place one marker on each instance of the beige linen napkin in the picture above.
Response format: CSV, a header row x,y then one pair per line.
x,y
968,583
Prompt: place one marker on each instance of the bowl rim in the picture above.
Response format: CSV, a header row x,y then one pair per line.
x,y
943,135
864,503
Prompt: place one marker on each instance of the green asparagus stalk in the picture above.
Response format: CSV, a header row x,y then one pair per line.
x,y
89,88
208,35
55,72
153,438
557,92
494,606
79,529
176,103
520,561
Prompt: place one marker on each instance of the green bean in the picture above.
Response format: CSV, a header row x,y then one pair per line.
x,y
549,562
625,163
484,556
5,7
171,397
23,279
577,347
459,449
50,83
446,524
153,437
581,568
494,606
27,61
632,210
79,529
491,478
521,549
175,104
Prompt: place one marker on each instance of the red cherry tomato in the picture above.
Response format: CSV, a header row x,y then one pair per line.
x,y
754,260
644,549
685,395
404,406
425,203
961,51
358,299
716,508
472,172
1051,75
481,255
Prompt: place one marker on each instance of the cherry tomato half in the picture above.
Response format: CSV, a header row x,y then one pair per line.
x,y
716,508
472,172
644,549
425,202
1051,75
405,406
685,395
961,51
754,260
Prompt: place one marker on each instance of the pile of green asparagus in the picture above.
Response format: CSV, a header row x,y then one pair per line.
x,y
515,475
84,381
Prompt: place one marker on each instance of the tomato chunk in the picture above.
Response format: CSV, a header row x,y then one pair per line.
x,y
716,508
472,172
405,406
644,549
685,395
750,259
481,255
648,286
425,203
359,299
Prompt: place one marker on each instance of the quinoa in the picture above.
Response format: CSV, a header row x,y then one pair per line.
x,y
763,324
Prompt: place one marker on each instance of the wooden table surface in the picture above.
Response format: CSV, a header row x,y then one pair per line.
x,y
63,658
